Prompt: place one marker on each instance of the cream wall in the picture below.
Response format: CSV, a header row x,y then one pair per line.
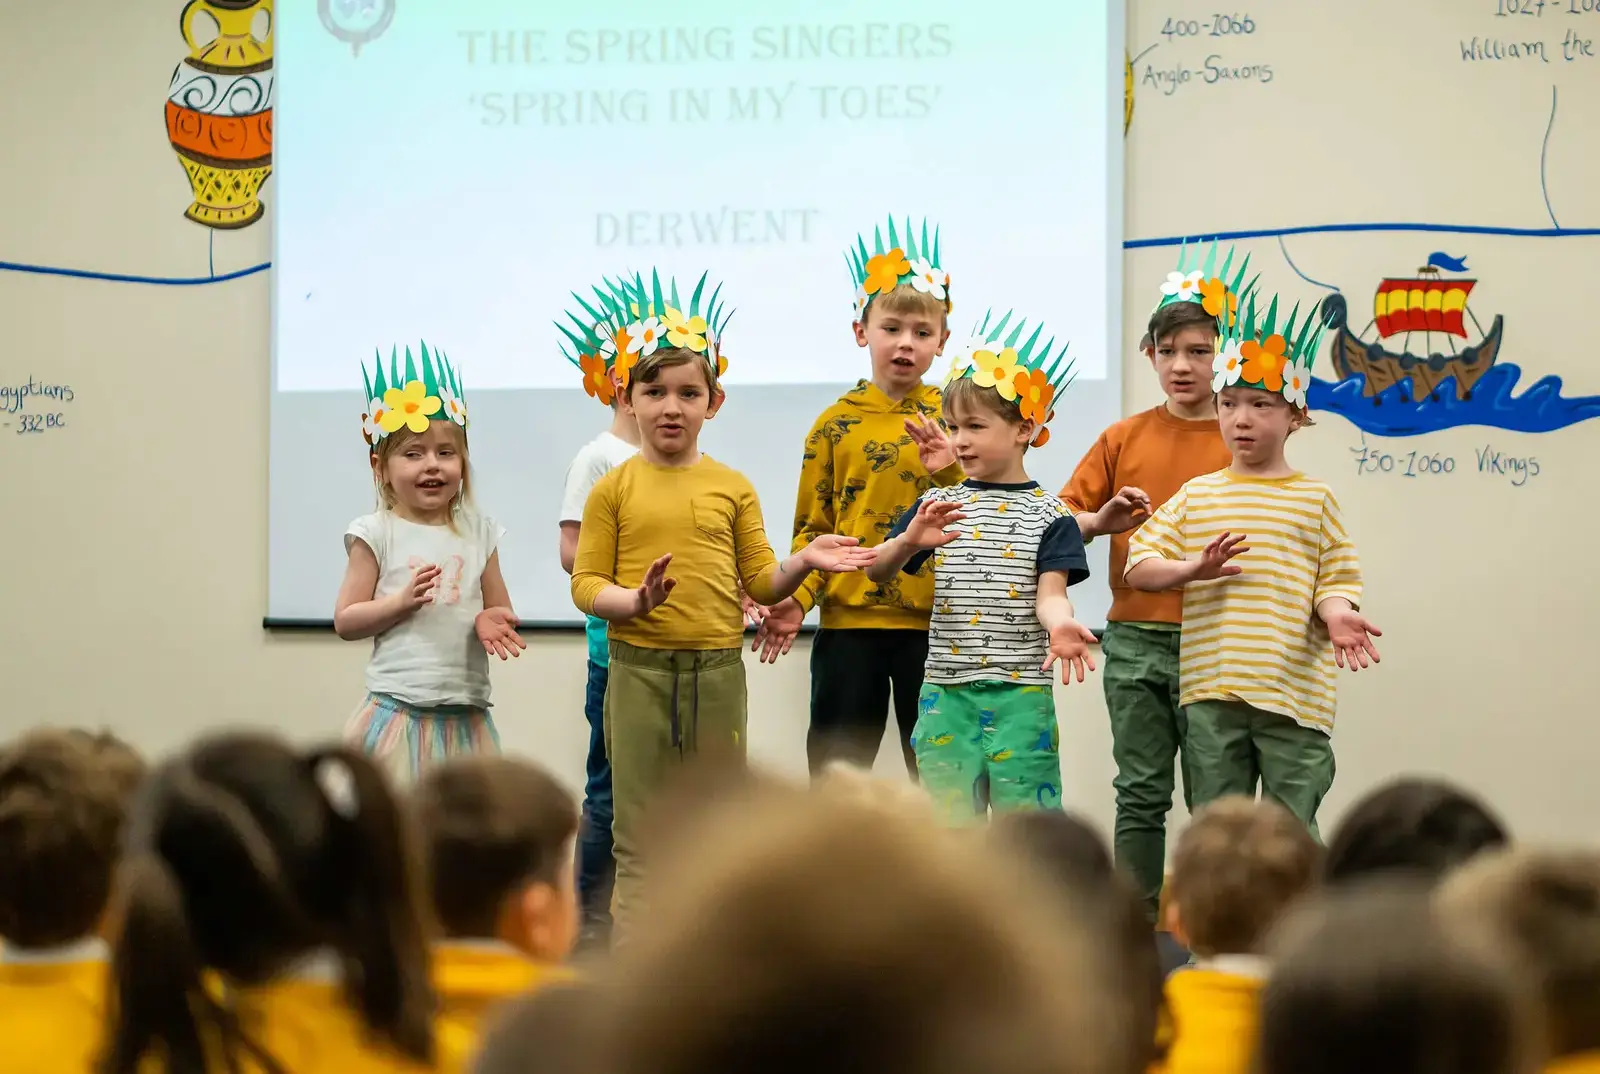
x,y
136,542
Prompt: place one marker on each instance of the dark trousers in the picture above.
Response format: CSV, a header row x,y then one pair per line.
x,y
597,869
853,673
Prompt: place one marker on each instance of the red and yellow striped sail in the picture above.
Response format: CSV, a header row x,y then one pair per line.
x,y
1421,306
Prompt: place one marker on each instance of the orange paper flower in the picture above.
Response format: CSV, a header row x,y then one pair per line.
x,y
722,364
1034,394
596,378
1214,294
625,361
884,271
1042,437
1264,362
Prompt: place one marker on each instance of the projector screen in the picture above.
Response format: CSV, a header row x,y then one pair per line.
x,y
451,173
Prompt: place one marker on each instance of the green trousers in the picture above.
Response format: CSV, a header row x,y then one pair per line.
x,y
1233,747
1147,736
983,744
663,708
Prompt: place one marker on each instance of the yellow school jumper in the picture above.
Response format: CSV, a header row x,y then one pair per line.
x,y
52,1008
1215,1012
474,977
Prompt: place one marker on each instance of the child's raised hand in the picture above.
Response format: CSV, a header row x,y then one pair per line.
x,y
837,555
656,585
1213,562
933,446
929,529
1069,644
419,590
497,630
779,627
1129,507
1352,636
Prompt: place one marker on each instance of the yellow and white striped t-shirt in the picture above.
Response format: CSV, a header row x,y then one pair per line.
x,y
1255,636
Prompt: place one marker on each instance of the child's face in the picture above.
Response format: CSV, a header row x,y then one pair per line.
x,y
1255,424
672,408
986,445
1182,362
425,472
902,345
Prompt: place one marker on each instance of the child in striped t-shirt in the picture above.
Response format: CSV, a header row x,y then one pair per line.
x,y
1259,619
986,719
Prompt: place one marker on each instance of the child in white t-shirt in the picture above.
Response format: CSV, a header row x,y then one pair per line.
x,y
603,379
424,578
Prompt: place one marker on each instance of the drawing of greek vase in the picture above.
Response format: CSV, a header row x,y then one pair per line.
x,y
219,109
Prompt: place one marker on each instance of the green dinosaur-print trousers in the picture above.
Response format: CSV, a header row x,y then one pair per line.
x,y
988,744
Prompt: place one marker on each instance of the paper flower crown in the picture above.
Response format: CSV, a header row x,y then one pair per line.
x,y
629,321
1255,352
1032,375
396,400
1197,281
885,268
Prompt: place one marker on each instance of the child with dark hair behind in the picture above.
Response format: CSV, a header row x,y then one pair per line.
x,y
288,876
497,836
1368,979
63,799
1414,825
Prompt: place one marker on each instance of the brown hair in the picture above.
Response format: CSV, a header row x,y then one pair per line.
x,y
64,795
1543,911
244,855
648,369
489,827
1174,317
385,449
1238,866
907,301
963,395
1306,421
1414,825
546,1030
1366,978
815,931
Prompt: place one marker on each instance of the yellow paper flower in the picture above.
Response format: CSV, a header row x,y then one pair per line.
x,y
684,331
410,406
997,371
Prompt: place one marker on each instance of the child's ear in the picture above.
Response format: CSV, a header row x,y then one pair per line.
x,y
944,337
718,397
860,330
540,922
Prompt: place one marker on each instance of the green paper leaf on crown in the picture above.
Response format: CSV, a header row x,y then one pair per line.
x,y
657,304
411,368
894,239
694,299
1026,352
430,376
366,382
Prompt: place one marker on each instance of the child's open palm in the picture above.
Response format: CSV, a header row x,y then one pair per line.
x,y
1069,644
837,555
1352,636
1129,507
1214,561
419,591
930,527
497,630
656,586
933,446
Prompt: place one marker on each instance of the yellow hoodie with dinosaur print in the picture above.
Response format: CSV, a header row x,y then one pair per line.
x,y
859,475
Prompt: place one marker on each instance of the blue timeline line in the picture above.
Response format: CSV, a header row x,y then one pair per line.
x,y
1130,244
1544,151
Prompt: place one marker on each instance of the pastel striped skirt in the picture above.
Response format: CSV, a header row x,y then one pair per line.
x,y
405,739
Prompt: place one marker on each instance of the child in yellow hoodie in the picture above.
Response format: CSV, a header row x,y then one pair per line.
x,y
63,796
497,836
1540,910
1238,866
868,458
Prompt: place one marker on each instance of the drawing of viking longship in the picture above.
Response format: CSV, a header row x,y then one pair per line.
x,y
1425,310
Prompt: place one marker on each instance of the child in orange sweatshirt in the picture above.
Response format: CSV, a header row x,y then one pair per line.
x,y
1238,867
1134,467
63,796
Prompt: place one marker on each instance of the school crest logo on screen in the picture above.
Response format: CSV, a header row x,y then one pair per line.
x,y
356,22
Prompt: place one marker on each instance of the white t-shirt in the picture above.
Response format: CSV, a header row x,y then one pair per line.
x,y
592,462
433,657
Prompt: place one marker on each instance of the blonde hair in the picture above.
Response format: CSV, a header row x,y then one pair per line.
x,y
649,368
1238,866
964,394
385,449
1542,910
907,301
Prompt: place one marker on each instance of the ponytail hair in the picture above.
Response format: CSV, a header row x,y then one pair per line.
x,y
244,856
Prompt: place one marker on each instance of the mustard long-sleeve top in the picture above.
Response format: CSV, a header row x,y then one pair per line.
x,y
707,516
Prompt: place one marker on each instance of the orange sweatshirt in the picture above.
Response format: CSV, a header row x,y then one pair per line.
x,y
1156,452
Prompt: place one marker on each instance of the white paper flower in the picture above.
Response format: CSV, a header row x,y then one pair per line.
x,y
454,408
608,345
961,355
369,421
928,278
861,302
1227,366
1296,379
645,336
1185,287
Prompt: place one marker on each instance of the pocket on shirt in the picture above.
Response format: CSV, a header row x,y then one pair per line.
x,y
713,516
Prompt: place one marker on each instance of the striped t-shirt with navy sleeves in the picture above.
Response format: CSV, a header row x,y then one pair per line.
x,y
1255,636
984,626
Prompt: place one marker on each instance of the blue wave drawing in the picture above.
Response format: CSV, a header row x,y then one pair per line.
x,y
1540,409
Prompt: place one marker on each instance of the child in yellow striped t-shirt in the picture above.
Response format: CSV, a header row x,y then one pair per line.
x,y
1259,619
